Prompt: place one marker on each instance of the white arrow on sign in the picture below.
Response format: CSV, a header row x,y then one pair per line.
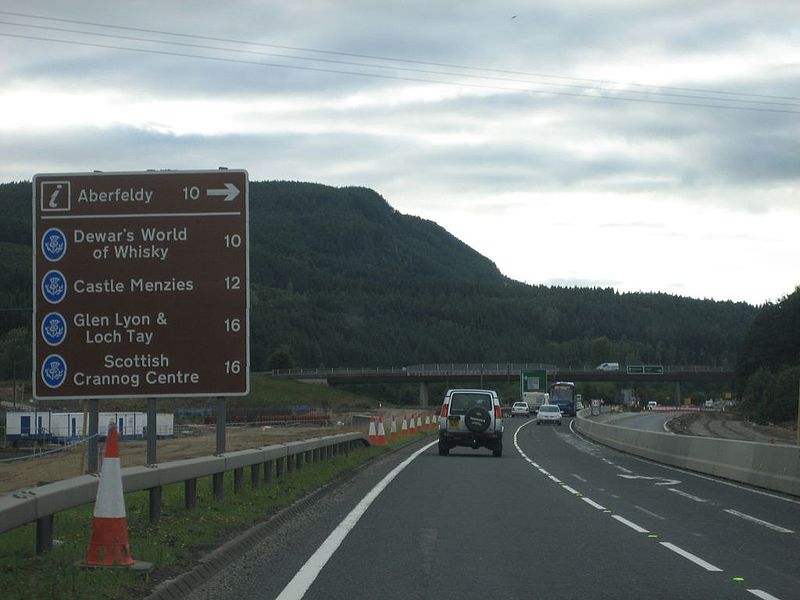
x,y
230,192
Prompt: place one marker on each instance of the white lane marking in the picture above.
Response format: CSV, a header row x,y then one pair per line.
x,y
763,595
623,469
300,583
605,460
554,478
579,478
687,495
591,502
630,524
658,480
648,512
766,524
688,555
570,490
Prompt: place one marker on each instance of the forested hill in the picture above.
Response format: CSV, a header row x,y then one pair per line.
x,y
340,278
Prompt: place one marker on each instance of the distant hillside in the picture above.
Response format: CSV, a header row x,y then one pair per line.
x,y
338,277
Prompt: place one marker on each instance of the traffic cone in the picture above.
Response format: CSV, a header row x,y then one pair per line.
x,y
404,427
381,432
108,546
412,426
419,423
427,422
393,434
373,437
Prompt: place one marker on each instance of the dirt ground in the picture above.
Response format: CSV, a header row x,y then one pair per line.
x,y
727,425
202,442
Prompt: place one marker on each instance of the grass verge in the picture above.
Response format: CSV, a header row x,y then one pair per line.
x,y
173,544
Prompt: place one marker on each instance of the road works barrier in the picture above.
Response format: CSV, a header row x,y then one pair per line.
x,y
771,466
42,503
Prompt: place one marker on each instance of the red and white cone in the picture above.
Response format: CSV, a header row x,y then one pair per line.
x,y
427,422
419,423
412,425
404,427
373,436
108,546
393,431
381,432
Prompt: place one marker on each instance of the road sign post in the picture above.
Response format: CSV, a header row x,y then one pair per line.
x,y
141,284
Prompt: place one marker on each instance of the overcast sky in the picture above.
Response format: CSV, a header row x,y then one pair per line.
x,y
645,146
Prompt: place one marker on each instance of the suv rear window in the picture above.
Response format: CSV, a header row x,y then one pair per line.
x,y
460,403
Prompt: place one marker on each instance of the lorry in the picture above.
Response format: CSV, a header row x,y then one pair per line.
x,y
534,400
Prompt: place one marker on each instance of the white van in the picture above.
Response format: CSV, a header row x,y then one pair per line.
x,y
608,367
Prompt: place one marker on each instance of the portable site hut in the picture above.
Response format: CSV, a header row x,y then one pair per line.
x,y
69,427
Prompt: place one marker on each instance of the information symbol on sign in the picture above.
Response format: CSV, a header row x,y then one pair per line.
x,y
55,196
54,286
54,244
54,329
54,371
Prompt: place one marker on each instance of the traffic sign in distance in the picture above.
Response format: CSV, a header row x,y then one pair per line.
x,y
141,284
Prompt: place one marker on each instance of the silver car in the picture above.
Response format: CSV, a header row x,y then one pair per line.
x,y
520,409
548,413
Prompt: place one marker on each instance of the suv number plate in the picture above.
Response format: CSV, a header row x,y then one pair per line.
x,y
454,421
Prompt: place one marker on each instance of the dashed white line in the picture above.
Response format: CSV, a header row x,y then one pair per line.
x,y
579,478
571,490
761,522
649,512
554,478
763,595
591,502
631,524
689,556
687,495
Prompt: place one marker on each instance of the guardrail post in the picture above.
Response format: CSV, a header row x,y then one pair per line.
x,y
280,465
268,472
190,493
298,460
218,485
255,475
44,534
290,463
155,504
238,476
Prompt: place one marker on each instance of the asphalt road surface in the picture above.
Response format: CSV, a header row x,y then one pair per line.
x,y
556,517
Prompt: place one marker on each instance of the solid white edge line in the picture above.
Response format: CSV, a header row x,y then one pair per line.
x,y
689,556
761,522
763,595
300,583
630,524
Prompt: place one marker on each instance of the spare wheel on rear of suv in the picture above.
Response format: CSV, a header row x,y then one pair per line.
x,y
477,419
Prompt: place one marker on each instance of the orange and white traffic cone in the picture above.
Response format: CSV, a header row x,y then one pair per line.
x,y
373,437
108,546
412,425
404,427
393,434
419,423
381,432
427,423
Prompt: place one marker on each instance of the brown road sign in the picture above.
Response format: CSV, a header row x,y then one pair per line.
x,y
141,284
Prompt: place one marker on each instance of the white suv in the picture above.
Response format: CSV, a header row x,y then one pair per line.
x,y
471,418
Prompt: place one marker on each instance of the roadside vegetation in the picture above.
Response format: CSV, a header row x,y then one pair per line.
x,y
173,544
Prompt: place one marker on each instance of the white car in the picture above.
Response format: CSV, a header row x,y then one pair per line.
x,y
548,413
520,409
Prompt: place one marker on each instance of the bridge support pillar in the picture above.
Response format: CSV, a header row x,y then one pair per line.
x,y
678,396
424,394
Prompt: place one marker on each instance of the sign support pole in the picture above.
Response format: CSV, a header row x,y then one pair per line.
x,y
91,447
151,432
217,478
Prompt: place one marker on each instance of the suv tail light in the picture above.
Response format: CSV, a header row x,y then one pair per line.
x,y
498,412
444,411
